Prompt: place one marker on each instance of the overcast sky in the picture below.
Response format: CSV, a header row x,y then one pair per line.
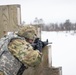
x,y
55,11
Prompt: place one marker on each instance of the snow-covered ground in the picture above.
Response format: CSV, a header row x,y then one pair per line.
x,y
63,50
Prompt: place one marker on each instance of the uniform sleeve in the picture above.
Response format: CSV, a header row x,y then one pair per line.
x,y
24,52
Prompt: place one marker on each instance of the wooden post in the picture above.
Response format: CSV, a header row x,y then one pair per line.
x,y
38,28
10,18
50,55
51,71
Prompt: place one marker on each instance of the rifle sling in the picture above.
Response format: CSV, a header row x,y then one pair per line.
x,y
21,69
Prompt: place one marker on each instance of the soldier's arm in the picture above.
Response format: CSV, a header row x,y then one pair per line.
x,y
24,52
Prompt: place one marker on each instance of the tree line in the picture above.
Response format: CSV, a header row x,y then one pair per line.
x,y
66,26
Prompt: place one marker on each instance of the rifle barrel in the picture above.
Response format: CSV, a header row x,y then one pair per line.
x,y
49,42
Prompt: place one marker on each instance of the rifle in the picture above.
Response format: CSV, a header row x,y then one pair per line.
x,y
38,44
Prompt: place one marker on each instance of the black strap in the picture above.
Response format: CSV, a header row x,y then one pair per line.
x,y
21,70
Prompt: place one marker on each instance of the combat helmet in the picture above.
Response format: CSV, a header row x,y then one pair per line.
x,y
28,31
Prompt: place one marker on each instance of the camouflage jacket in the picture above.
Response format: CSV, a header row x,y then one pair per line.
x,y
20,49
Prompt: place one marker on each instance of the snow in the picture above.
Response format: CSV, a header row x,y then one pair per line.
x,y
63,50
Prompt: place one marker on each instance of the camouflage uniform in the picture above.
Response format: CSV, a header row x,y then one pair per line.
x,y
18,47
9,65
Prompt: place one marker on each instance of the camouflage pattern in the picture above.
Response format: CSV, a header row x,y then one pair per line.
x,y
28,32
24,52
9,65
10,49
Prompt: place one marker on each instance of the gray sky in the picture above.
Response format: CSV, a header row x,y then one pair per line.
x,y
55,11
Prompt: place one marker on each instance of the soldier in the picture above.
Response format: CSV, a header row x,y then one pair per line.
x,y
16,52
